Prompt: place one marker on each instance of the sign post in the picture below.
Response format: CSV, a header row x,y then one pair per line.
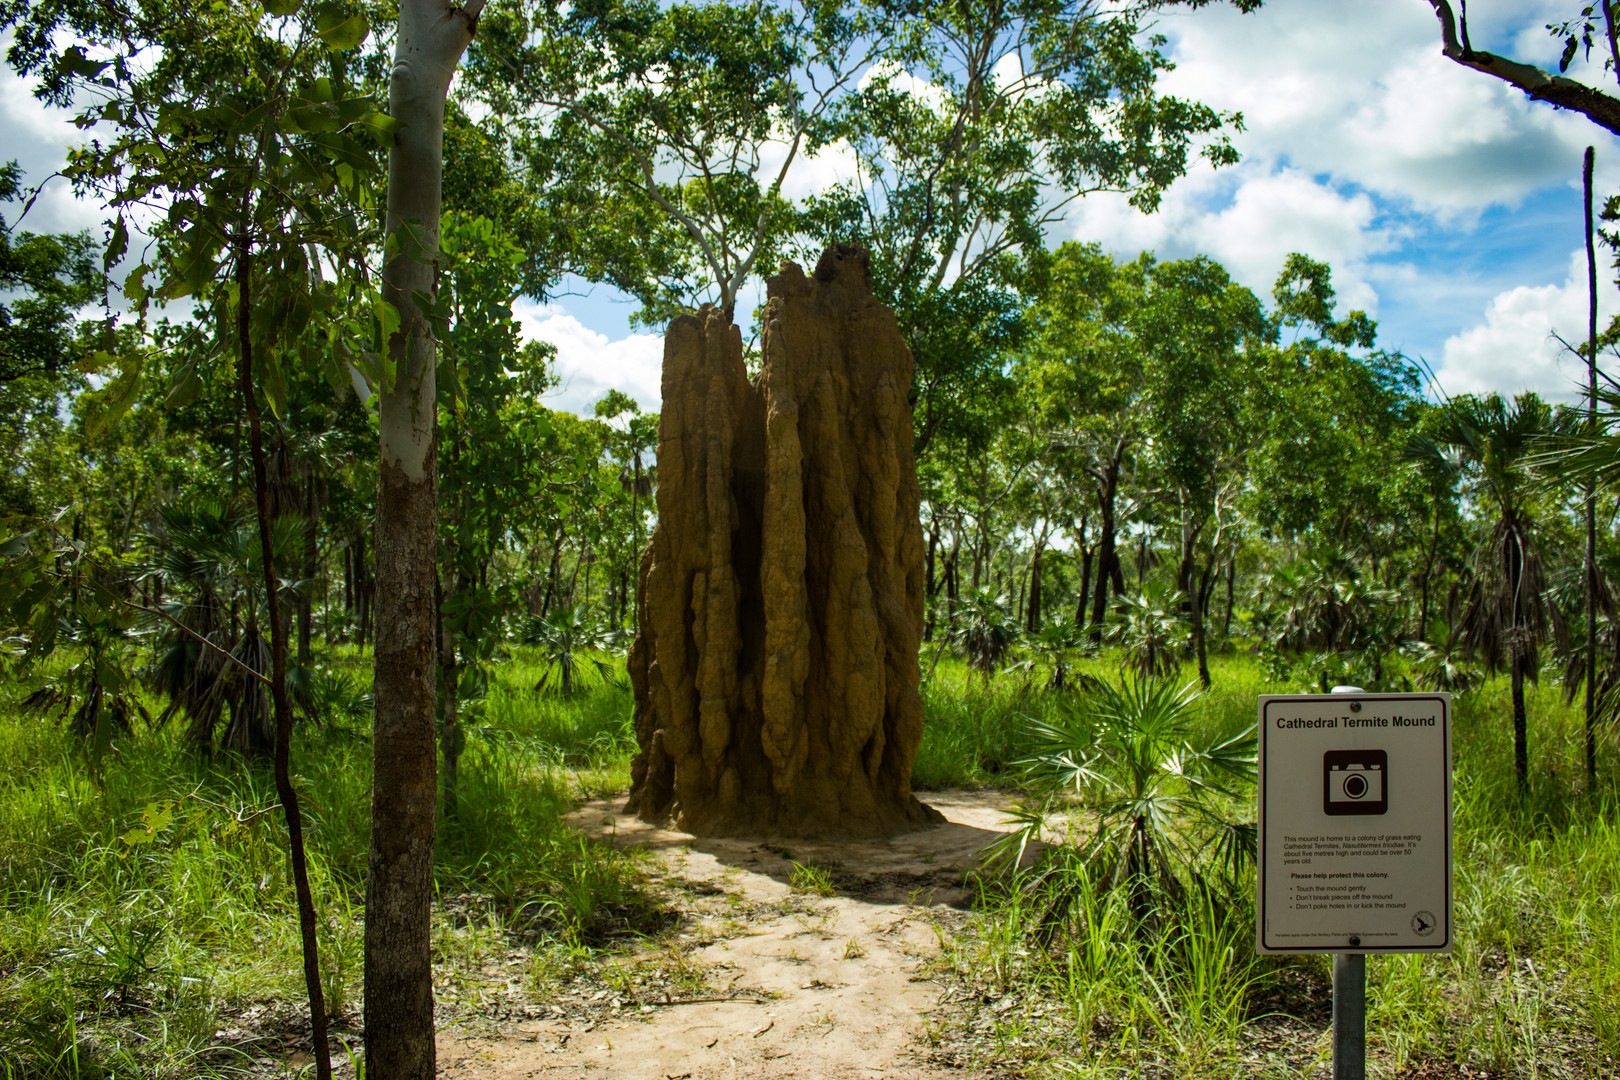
x,y
1354,838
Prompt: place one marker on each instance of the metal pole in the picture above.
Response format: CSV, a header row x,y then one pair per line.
x,y
1349,1016
1349,998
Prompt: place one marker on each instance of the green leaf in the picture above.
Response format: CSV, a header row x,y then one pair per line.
x,y
348,151
30,598
388,322
75,62
184,389
117,244
341,30
274,383
281,7
103,733
111,404
381,121
108,676
135,290
17,544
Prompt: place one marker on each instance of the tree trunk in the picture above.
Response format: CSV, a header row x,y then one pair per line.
x,y
1200,595
399,885
1590,560
551,577
930,585
449,684
365,586
1087,554
447,584
1521,740
1108,569
306,602
1429,558
1033,612
933,546
278,676
1231,575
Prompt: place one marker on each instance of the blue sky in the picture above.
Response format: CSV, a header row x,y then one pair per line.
x,y
1447,204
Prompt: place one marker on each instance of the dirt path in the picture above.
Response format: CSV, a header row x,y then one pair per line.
x,y
776,982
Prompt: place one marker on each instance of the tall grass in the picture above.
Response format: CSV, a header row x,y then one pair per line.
x,y
1532,988
977,730
145,902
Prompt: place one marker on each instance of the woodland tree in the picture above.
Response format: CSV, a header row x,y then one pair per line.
x,y
970,129
431,37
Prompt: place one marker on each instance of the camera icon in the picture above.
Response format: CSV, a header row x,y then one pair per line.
x,y
1355,782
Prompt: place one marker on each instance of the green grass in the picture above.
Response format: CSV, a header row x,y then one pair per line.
x,y
1532,989
146,905
977,731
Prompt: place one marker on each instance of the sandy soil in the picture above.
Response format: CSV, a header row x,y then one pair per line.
x,y
794,984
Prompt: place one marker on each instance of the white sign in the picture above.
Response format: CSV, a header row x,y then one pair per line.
x,y
1355,823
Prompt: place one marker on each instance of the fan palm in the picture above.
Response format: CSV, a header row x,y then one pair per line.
x,y
1322,602
1050,647
1157,789
1507,611
1151,631
988,633
564,632
208,556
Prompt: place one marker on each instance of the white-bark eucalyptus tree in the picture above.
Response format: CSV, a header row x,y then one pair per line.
x,y
433,35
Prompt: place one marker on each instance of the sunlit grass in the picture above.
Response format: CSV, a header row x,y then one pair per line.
x,y
146,901
1532,988
130,934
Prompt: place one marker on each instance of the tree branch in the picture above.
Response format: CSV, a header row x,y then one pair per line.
x,y
198,638
1556,90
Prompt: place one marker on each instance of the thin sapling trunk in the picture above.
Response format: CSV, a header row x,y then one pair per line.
x,y
278,673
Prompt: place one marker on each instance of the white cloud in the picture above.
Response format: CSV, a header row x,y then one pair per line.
x,y
38,136
1360,93
590,364
1268,213
810,173
1514,349
25,115
904,82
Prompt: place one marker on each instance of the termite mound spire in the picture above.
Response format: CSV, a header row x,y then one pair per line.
x,y
775,664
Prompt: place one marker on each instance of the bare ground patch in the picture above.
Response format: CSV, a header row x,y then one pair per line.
x,y
791,959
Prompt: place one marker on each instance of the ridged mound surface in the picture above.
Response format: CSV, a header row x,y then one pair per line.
x,y
775,664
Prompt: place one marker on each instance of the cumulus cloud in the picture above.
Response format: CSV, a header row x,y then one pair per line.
x,y
1417,180
1361,94
1250,219
590,363
1515,348
809,173
38,137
